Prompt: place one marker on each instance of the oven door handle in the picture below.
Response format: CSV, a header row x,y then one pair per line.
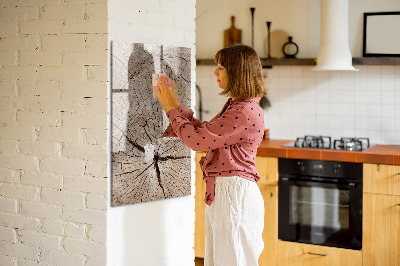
x,y
329,184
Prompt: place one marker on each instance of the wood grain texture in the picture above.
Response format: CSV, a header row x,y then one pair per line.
x,y
381,179
381,230
267,168
297,254
270,233
200,207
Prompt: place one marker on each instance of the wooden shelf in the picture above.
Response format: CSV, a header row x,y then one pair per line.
x,y
312,61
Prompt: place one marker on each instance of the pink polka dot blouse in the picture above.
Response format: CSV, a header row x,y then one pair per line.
x,y
231,139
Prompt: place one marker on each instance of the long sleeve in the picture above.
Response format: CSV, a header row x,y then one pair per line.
x,y
225,130
186,113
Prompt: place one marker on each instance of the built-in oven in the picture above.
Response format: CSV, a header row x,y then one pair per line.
x,y
320,202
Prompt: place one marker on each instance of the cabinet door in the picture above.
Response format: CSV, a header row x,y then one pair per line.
x,y
200,207
270,233
267,168
297,254
381,179
381,230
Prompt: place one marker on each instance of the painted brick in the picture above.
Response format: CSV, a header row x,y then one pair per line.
x,y
53,227
8,205
19,251
62,12
8,145
84,26
16,132
97,234
39,87
60,73
19,43
7,117
88,57
8,234
25,262
7,175
7,88
85,121
19,221
84,216
7,3
98,42
97,169
94,136
8,261
95,201
68,135
85,152
60,258
98,73
38,209
18,191
18,72
72,105
39,118
62,166
8,58
63,197
96,11
84,247
39,148
97,260
39,58
88,88
25,103
40,27
18,161
41,179
8,28
75,230
86,184
35,239
19,13
67,42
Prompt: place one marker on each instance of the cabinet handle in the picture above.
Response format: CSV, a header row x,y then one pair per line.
x,y
398,204
318,254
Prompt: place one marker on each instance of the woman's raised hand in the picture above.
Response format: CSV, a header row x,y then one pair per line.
x,y
164,94
174,89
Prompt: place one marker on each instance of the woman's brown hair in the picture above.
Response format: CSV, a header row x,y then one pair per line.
x,y
245,78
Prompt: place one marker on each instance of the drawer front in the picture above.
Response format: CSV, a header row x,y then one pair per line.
x,y
381,179
294,254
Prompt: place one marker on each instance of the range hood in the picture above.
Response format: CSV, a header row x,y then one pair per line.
x,y
334,51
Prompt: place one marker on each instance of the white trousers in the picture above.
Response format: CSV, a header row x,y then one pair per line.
x,y
234,223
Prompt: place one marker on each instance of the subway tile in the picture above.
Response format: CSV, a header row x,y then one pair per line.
x,y
388,110
388,124
374,97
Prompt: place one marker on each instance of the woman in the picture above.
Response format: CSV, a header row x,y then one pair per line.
x,y
235,207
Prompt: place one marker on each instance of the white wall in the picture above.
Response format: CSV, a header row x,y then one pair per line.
x,y
160,232
338,104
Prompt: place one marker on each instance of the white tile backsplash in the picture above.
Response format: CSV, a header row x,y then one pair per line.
x,y
364,103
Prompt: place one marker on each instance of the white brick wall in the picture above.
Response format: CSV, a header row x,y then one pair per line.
x,y
53,113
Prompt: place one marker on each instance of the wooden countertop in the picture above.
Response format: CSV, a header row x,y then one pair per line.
x,y
379,154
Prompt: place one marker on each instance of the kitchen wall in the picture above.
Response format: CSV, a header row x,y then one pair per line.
x,y
53,119
339,104
159,232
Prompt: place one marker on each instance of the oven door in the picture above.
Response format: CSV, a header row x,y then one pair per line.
x,y
321,212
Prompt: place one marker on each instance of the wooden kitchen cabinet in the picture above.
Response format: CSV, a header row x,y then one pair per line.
x,y
381,215
381,179
298,254
381,230
200,207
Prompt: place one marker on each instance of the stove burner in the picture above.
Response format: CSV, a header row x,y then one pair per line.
x,y
351,144
308,141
